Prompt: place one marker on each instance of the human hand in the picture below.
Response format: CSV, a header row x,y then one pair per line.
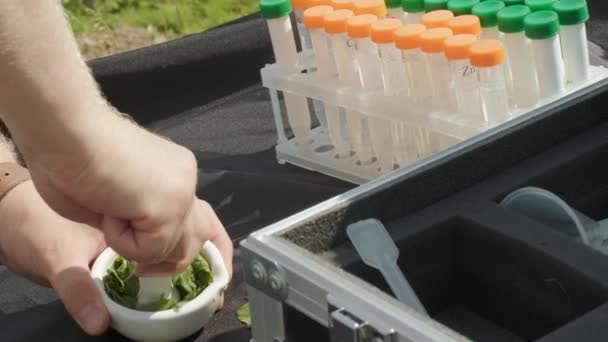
x,y
87,163
138,188
41,245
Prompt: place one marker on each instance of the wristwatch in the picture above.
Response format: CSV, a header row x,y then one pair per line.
x,y
11,175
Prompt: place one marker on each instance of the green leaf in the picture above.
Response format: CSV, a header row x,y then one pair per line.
x,y
122,285
244,314
185,283
202,271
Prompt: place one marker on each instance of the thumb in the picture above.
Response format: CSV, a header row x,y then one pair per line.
x,y
80,296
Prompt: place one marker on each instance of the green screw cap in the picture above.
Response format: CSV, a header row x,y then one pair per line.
x,y
541,25
413,6
433,5
487,11
272,9
540,5
460,7
513,2
571,12
392,3
511,19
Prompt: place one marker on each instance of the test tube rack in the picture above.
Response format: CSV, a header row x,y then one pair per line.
x,y
319,155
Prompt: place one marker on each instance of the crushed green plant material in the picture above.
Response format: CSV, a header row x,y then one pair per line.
x,y
122,285
244,314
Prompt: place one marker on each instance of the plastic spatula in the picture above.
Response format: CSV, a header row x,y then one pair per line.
x,y
377,249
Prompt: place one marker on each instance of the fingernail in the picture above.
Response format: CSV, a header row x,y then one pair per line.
x,y
91,319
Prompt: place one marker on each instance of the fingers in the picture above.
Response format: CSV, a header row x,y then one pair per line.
x,y
203,224
78,292
138,245
183,254
186,249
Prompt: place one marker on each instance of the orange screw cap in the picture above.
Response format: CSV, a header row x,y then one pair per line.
x,y
457,47
439,18
314,17
408,36
432,40
487,53
464,24
383,31
360,26
335,22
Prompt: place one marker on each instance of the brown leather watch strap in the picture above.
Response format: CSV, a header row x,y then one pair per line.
x,y
11,175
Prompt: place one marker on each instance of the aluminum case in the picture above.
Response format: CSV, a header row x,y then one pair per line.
x,y
482,272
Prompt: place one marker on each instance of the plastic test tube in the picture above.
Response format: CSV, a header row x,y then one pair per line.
x,y
359,32
394,10
542,28
299,6
460,7
464,76
418,86
370,73
434,5
326,69
572,17
437,66
524,89
414,10
488,57
393,80
393,76
276,13
487,12
465,24
298,9
540,5
336,26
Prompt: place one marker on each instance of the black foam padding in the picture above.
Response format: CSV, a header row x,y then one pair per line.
x,y
182,74
470,267
474,326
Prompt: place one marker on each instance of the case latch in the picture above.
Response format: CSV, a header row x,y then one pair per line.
x,y
344,327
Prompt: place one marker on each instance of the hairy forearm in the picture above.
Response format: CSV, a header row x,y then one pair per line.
x,y
46,87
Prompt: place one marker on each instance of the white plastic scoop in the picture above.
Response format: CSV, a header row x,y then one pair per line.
x,y
377,249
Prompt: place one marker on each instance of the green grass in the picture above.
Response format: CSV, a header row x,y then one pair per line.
x,y
171,18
